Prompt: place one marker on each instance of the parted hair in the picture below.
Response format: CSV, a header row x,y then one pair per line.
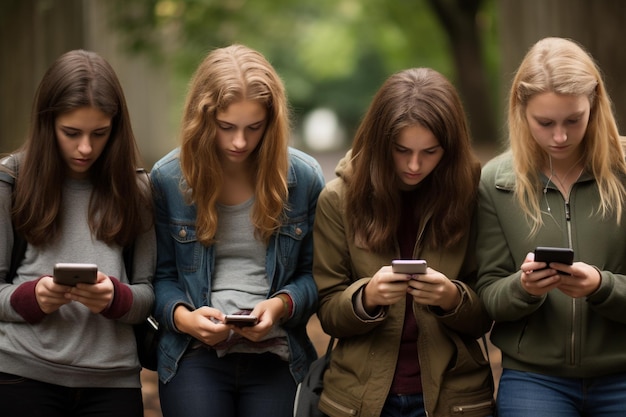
x,y
118,202
225,76
562,66
418,96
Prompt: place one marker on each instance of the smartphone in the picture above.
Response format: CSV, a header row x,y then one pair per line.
x,y
551,254
241,320
73,273
409,266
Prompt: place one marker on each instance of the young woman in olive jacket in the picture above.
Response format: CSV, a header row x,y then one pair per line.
x,y
561,328
407,189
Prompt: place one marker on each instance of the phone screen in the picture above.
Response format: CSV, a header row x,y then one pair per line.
x,y
409,266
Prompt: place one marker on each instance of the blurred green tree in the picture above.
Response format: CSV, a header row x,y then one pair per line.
x,y
331,53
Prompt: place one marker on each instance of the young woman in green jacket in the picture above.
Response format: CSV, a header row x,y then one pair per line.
x,y
561,328
407,189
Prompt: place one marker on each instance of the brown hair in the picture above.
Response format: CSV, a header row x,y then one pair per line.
x,y
418,96
79,79
225,76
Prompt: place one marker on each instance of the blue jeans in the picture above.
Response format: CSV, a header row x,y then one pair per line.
x,y
20,397
236,385
404,406
526,394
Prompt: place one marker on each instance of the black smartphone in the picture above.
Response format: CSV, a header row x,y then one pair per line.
x,y
551,254
73,273
241,320
409,266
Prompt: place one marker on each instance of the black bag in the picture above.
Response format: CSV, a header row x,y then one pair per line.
x,y
147,332
147,338
310,389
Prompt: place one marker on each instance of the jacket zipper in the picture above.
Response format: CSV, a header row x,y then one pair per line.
x,y
461,409
568,222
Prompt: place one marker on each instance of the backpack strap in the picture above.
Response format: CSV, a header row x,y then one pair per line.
x,y
9,171
129,251
19,243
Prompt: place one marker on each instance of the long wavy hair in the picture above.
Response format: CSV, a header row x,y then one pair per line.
x,y
419,96
562,66
75,80
228,75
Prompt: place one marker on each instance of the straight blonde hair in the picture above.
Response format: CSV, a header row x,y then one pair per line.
x,y
562,66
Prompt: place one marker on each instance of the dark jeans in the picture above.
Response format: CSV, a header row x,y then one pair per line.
x,y
20,397
236,385
404,406
526,394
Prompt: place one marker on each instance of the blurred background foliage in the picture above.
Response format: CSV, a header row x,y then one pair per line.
x,y
331,53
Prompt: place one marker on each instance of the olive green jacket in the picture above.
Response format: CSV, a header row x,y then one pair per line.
x,y
552,334
456,377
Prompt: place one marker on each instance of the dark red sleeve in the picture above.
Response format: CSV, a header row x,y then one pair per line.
x,y
122,300
24,302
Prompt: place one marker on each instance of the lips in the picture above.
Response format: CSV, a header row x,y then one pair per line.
x,y
79,161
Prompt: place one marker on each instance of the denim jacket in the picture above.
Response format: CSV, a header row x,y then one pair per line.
x,y
185,266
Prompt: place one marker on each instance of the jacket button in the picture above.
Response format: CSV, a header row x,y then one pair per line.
x,y
182,233
298,231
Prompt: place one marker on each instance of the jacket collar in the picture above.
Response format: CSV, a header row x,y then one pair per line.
x,y
505,176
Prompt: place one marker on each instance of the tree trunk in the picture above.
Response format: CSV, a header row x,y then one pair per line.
x,y
458,18
598,25
29,43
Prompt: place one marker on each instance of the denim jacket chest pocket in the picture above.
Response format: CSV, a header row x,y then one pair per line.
x,y
188,250
290,237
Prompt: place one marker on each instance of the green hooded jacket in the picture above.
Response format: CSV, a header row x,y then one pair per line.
x,y
553,334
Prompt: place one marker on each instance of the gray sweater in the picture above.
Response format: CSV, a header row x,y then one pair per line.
x,y
72,346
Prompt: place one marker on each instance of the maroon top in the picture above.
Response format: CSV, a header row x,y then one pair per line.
x,y
407,377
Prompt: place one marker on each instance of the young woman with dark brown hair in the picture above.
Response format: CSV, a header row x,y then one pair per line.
x,y
76,198
407,189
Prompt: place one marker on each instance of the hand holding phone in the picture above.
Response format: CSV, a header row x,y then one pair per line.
x,y
240,320
73,273
409,266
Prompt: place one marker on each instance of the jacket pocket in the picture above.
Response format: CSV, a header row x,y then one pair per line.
x,y
481,409
474,403
290,237
187,248
335,408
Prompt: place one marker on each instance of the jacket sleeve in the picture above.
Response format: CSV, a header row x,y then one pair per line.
x,y
168,291
333,271
301,286
499,288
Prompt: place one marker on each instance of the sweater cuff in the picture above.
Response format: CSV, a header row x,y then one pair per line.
x,y
122,300
24,302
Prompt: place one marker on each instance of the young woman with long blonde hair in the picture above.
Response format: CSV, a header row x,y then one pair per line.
x,y
561,327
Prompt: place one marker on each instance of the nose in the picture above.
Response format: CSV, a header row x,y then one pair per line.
x,y
414,162
239,139
84,146
560,135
